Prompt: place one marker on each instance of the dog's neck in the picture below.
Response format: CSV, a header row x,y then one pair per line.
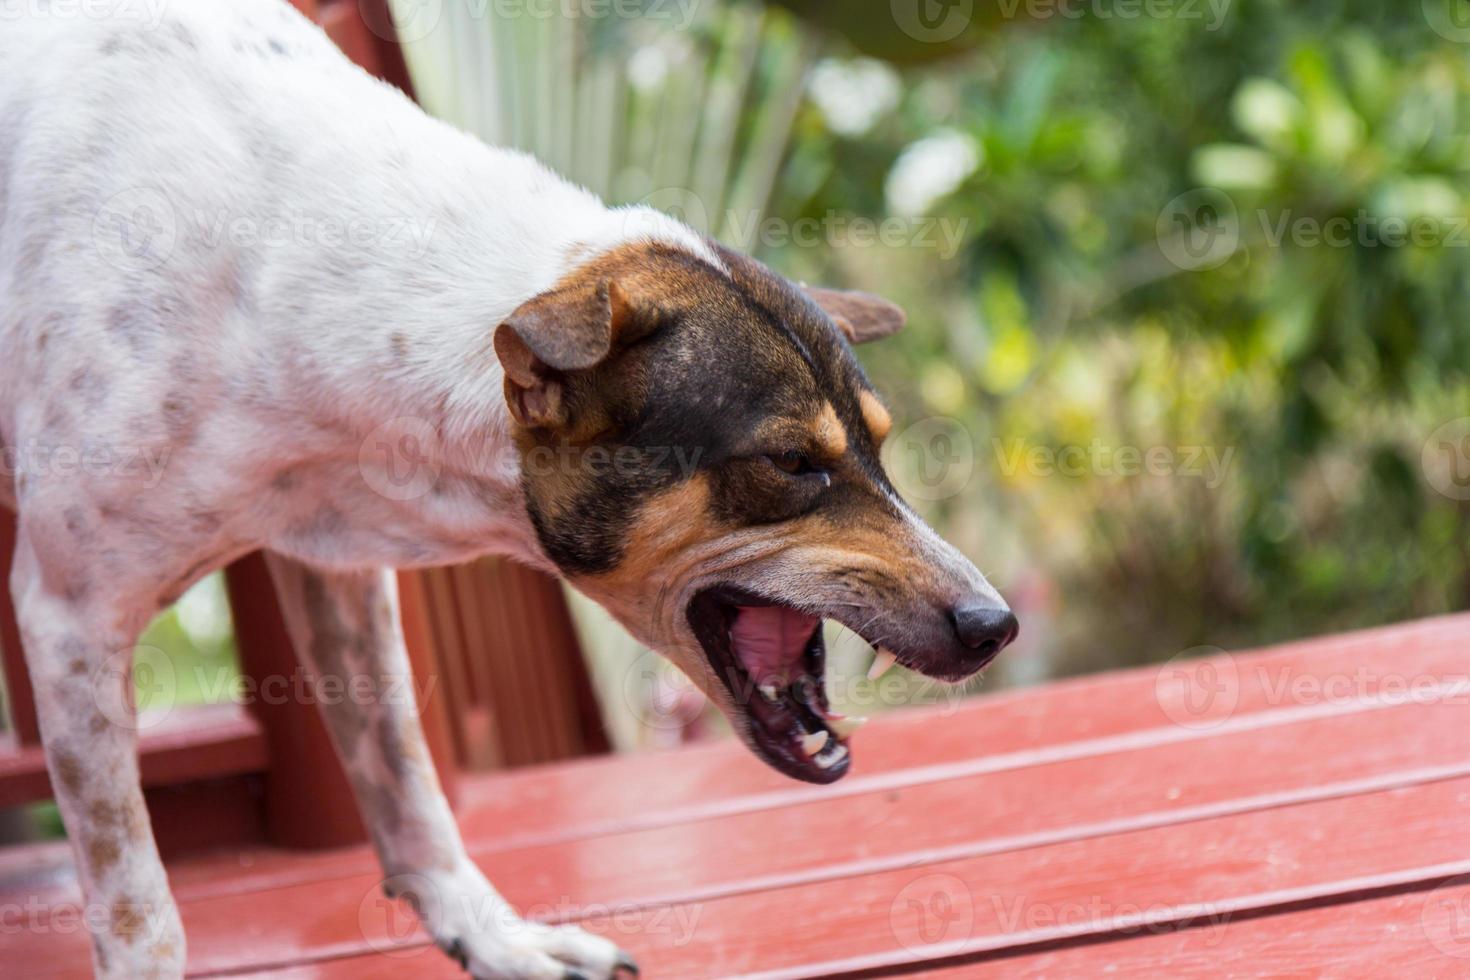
x,y
403,337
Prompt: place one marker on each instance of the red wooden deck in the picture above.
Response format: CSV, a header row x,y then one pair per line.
x,y
1303,810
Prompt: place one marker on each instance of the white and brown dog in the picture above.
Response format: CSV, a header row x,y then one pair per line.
x,y
230,261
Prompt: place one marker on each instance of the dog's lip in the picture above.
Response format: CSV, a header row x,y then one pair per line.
x,y
779,723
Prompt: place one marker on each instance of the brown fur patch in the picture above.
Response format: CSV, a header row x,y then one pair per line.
x,y
102,853
667,530
829,432
129,920
69,771
875,416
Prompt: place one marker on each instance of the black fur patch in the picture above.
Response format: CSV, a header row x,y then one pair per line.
x,y
736,367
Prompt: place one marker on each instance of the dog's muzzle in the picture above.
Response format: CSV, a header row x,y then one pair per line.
x,y
770,657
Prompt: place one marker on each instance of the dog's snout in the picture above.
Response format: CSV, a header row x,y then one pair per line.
x,y
985,628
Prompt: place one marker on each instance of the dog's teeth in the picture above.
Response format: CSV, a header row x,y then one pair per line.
x,y
771,692
882,660
812,744
829,759
844,727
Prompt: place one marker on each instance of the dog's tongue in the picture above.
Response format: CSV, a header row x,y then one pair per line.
x,y
770,640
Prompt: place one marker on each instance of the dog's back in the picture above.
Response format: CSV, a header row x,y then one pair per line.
x,y
135,152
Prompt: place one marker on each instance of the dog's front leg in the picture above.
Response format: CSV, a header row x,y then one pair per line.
x,y
78,633
345,626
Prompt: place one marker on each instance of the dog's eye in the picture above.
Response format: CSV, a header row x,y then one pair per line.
x,y
798,464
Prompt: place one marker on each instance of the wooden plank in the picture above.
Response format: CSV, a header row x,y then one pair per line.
x,y
1072,718
1421,933
897,830
308,799
589,798
1202,885
434,700
19,701
344,25
1196,873
1167,784
1048,713
443,619
193,743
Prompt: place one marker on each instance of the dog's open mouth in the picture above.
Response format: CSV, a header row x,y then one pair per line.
x,y
772,657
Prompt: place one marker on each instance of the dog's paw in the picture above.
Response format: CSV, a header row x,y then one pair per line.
x,y
528,951
474,926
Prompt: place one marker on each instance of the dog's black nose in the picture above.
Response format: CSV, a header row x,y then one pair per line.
x,y
984,628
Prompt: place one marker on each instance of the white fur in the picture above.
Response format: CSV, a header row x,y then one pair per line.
x,y
243,144
233,268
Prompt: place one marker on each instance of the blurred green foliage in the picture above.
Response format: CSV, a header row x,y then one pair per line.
x,y
1317,349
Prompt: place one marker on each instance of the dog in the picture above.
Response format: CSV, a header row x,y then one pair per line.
x,y
226,249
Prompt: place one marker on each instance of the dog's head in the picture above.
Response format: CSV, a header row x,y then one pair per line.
x,y
700,454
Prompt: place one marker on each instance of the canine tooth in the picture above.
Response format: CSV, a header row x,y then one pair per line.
x,y
770,692
844,727
812,744
882,660
830,759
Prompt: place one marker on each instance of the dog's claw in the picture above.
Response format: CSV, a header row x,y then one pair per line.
x,y
455,951
625,964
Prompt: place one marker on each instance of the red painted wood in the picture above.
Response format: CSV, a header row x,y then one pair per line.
x,y
1214,875
1074,719
864,835
308,799
433,701
1284,802
193,743
1220,868
551,804
207,814
1165,784
1418,934
19,705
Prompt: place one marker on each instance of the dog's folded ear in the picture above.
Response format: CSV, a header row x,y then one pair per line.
x,y
570,328
861,316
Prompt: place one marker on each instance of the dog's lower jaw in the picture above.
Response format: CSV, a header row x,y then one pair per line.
x,y
469,920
